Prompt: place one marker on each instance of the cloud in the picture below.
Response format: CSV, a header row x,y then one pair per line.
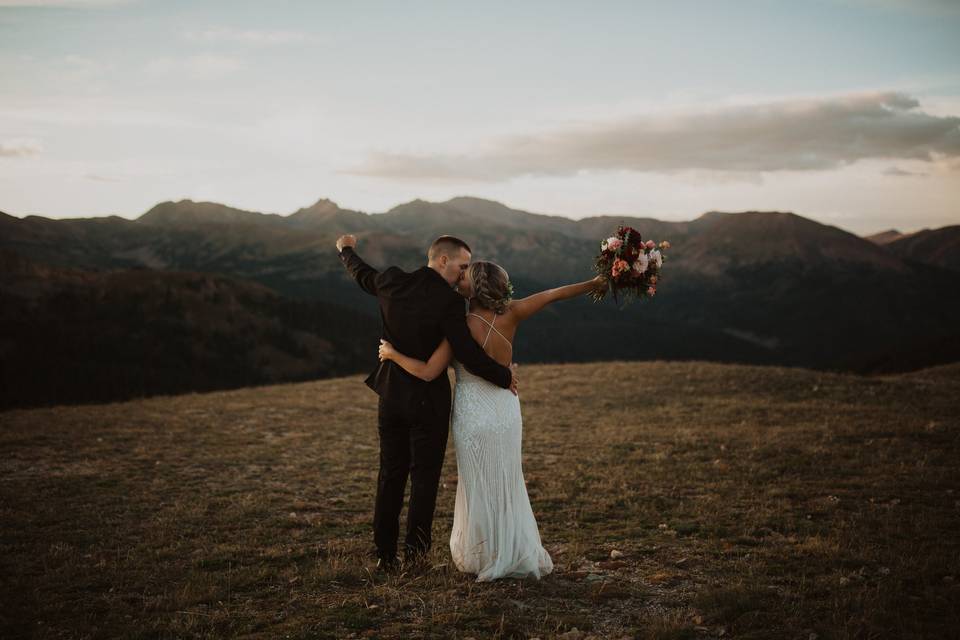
x,y
64,4
939,7
95,113
898,172
204,65
20,148
96,177
82,69
247,36
788,135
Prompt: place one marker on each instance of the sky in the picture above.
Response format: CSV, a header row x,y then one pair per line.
x,y
843,111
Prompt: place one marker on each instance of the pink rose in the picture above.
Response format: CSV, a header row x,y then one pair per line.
x,y
650,244
619,266
651,291
614,243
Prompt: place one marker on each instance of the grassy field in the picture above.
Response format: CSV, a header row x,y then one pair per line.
x,y
678,500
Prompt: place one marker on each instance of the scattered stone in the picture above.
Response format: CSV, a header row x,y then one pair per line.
x,y
594,577
573,634
616,554
608,590
660,578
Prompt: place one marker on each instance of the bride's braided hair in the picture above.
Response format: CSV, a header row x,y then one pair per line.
x,y
491,286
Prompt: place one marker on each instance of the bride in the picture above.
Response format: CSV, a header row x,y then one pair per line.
x,y
494,530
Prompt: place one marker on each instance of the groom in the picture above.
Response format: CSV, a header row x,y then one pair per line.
x,y
417,311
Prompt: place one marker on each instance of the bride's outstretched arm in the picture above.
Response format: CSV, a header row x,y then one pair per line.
x,y
424,370
526,307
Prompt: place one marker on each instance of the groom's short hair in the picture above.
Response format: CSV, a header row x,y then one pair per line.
x,y
447,246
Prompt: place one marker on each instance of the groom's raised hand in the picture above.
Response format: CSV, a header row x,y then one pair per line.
x,y
514,378
346,241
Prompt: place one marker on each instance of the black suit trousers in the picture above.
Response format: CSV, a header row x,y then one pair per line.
x,y
413,441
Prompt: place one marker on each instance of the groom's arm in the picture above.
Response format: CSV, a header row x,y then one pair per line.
x,y
364,274
466,349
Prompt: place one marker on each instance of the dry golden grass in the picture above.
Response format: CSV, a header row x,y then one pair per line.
x,y
746,502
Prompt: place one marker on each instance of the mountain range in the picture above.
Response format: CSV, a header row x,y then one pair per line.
x,y
760,287
940,247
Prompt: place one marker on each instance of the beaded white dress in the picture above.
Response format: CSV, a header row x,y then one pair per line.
x,y
494,533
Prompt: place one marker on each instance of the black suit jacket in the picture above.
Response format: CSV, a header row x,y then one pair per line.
x,y
418,310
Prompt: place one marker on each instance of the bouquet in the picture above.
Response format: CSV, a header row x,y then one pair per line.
x,y
630,266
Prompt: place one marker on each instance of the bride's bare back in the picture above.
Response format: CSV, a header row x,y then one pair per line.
x,y
493,332
498,340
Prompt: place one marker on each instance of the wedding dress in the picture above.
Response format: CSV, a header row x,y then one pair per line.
x,y
494,530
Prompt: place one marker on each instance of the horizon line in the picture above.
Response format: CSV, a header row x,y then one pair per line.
x,y
463,197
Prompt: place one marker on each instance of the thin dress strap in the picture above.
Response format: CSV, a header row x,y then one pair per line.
x,y
491,329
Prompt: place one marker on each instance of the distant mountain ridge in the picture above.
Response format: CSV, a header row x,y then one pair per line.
x,y
759,287
884,237
939,247
190,212
495,228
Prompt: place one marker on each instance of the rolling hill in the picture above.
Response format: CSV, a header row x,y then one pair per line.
x,y
70,335
750,287
937,247
884,237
